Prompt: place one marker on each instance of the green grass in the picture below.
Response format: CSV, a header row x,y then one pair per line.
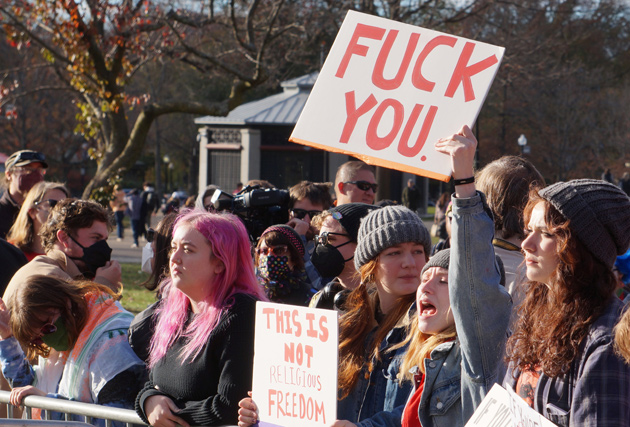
x,y
135,297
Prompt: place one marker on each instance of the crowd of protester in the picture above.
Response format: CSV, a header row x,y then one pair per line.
x,y
524,288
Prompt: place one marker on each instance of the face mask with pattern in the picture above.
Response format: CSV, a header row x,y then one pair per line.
x,y
272,267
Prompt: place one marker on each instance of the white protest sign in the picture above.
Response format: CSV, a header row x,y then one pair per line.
x,y
388,91
504,408
295,365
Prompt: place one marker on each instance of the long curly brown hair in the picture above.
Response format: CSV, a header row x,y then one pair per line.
x,y
555,317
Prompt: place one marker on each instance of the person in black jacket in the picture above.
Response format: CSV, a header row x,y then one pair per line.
x,y
12,260
201,355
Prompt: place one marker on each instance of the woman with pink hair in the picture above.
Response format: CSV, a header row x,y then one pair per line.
x,y
202,351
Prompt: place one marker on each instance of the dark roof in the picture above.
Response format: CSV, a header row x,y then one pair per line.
x,y
282,108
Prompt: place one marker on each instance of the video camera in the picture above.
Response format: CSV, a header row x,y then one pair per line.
x,y
259,208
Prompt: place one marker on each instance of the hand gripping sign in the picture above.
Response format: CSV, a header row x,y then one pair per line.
x,y
388,91
295,365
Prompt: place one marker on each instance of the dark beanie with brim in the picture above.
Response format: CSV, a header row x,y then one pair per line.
x,y
598,213
443,257
350,215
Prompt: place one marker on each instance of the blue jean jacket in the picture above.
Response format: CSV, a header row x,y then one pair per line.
x,y
379,393
460,373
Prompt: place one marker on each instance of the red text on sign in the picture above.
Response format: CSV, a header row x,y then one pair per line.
x,y
461,76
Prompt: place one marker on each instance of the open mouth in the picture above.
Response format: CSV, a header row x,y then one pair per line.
x,y
427,309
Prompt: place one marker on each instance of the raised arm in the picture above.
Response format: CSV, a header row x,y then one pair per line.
x,y
481,305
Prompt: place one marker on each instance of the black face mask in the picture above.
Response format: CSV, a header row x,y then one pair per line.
x,y
94,256
328,260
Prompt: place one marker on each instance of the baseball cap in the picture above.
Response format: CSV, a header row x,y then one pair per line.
x,y
23,158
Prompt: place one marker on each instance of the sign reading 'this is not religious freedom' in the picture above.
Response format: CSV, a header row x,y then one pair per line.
x,y
295,365
388,91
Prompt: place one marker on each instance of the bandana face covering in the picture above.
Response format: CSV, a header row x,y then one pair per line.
x,y
273,267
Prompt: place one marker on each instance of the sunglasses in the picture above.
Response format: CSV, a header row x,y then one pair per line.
x,y
363,185
150,235
47,329
278,250
52,203
30,155
301,213
323,237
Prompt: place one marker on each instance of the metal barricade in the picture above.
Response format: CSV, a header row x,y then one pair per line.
x,y
17,422
67,407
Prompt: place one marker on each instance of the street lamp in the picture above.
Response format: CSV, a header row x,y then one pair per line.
x,y
167,162
522,142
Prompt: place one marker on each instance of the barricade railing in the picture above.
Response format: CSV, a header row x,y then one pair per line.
x,y
87,410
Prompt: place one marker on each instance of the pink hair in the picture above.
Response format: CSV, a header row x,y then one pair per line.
x,y
229,242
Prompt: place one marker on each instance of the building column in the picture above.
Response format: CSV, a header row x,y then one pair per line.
x,y
250,155
202,137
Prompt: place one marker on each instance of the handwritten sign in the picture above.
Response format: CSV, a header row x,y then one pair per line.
x,y
388,91
504,408
295,365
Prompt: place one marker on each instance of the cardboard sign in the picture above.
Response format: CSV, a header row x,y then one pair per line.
x,y
504,408
388,91
295,365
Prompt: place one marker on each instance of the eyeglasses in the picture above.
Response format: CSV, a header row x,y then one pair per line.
x,y
363,185
151,235
301,213
278,250
51,202
28,171
323,237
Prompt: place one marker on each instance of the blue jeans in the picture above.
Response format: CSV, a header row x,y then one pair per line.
x,y
136,229
120,228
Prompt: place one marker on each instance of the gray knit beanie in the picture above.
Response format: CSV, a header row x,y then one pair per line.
x,y
387,227
442,258
599,214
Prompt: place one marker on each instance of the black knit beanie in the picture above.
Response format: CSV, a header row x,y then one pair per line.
x,y
349,216
599,214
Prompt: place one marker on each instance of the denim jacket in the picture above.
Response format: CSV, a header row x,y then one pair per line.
x,y
378,393
460,373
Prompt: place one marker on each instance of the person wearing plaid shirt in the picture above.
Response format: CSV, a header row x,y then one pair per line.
x,y
561,356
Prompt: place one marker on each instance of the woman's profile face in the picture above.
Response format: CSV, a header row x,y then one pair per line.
x,y
540,247
432,300
194,267
40,213
398,272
